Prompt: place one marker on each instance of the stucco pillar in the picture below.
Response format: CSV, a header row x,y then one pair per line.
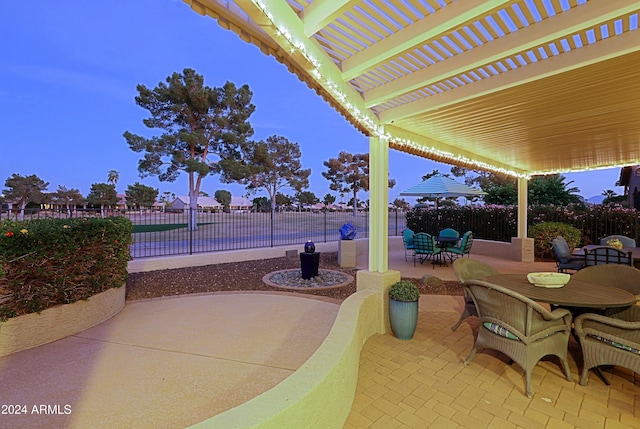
x,y
523,203
522,246
378,278
378,204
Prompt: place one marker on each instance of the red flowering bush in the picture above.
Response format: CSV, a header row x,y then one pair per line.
x,y
47,262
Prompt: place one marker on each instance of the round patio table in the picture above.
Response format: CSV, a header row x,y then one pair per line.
x,y
576,293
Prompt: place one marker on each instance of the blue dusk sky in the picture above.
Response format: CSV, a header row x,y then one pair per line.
x,y
68,76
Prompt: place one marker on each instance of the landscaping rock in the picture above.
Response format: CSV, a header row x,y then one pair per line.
x,y
431,280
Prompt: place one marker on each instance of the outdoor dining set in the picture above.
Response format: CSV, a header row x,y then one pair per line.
x,y
613,249
447,244
527,317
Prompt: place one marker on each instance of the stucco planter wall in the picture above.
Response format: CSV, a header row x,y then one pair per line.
x,y
31,330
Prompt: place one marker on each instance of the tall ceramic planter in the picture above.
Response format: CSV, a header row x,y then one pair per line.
x,y
403,316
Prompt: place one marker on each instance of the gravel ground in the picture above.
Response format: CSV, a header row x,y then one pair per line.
x,y
247,276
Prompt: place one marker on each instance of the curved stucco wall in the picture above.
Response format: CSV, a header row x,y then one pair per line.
x,y
320,393
32,330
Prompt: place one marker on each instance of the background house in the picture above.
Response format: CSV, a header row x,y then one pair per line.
x,y
204,203
630,179
240,204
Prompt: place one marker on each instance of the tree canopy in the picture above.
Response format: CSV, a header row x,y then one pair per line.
x,y
349,173
328,199
102,194
67,197
113,176
139,195
223,197
204,131
307,197
275,164
24,190
542,190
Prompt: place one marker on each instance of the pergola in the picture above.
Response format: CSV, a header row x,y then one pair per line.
x,y
520,87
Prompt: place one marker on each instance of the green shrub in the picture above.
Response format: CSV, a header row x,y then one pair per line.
x,y
544,232
404,290
48,262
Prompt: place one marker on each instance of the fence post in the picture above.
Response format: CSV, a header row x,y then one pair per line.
x,y
191,230
325,225
271,211
396,221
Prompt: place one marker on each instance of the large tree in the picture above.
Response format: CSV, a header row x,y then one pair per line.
x,y
167,198
307,197
349,173
542,190
67,198
204,131
328,199
223,197
139,195
23,190
113,176
102,194
553,189
275,164
283,200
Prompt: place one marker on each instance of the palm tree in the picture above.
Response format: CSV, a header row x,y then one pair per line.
x,y
112,177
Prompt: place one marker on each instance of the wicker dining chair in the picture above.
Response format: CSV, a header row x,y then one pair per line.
x,y
519,327
470,269
620,276
612,338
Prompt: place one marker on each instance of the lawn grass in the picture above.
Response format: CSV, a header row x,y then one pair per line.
x,y
158,227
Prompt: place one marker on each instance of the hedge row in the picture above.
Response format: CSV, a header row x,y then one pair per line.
x,y
48,262
499,223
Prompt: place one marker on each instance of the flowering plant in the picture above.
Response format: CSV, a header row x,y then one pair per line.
x,y
614,242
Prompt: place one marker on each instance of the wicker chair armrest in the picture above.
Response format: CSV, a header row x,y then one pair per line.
x,y
615,331
630,314
542,333
605,321
558,313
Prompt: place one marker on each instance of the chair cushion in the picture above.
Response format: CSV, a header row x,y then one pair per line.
x,y
499,330
561,250
615,344
574,264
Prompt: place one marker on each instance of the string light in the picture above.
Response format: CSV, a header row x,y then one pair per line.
x,y
378,131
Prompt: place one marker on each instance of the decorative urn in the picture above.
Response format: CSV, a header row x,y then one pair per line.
x,y
309,247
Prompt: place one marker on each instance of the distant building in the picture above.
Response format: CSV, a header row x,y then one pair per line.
x,y
122,202
630,179
240,204
204,203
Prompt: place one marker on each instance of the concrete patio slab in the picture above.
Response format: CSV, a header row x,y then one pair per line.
x,y
166,362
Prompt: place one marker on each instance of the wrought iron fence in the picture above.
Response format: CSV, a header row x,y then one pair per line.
x,y
499,223
487,224
167,233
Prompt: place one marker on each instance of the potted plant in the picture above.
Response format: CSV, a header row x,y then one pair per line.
x,y
403,309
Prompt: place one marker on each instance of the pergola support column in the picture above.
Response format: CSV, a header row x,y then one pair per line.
x,y
378,278
522,245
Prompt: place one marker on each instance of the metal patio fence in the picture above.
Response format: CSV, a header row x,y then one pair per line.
x,y
166,233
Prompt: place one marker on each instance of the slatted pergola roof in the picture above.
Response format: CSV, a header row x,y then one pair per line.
x,y
520,87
